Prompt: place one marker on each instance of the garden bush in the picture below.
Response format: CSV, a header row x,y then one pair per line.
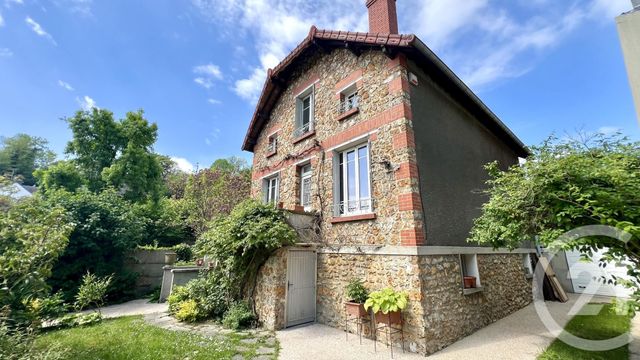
x,y
188,311
108,228
238,316
178,294
184,252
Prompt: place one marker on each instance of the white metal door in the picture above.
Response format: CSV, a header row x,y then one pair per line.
x,y
585,276
301,287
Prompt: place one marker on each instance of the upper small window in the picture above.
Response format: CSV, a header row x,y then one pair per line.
x,y
349,99
272,147
304,113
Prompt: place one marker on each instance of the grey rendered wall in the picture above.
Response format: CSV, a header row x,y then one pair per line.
x,y
451,147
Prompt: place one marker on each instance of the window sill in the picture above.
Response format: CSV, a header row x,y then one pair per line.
x,y
528,276
270,154
347,114
469,291
304,136
342,219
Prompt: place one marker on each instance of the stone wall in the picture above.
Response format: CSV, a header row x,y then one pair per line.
x,y
148,265
383,119
451,315
269,295
438,313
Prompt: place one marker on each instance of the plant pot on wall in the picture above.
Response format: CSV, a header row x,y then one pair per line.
x,y
170,258
469,282
390,318
355,309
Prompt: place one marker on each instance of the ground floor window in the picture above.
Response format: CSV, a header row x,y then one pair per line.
x,y
305,187
354,188
271,189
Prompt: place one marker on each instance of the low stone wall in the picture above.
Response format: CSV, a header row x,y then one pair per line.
x,y
148,265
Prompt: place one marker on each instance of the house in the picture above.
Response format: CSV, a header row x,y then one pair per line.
x,y
384,146
18,191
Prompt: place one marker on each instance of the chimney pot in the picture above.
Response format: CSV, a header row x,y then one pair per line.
x,y
383,17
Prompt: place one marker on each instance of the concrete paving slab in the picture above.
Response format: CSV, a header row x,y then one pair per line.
x,y
134,307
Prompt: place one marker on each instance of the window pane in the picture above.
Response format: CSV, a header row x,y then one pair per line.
x,y
363,167
305,116
351,180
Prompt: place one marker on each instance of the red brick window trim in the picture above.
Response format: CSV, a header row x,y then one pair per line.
x,y
361,217
304,136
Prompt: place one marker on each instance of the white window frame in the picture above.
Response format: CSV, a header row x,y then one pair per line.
x,y
299,127
272,139
303,176
343,208
268,181
350,91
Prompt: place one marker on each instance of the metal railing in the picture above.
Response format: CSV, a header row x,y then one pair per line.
x,y
302,130
354,207
348,104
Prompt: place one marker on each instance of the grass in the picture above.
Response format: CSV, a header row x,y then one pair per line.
x,y
607,324
131,338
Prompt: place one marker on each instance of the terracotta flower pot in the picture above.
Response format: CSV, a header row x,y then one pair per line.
x,y
199,262
355,309
469,282
392,317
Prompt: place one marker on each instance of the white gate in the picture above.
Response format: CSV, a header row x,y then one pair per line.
x,y
301,287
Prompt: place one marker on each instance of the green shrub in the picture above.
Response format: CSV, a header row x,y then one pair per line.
x,y
178,295
188,311
238,316
92,291
356,291
184,252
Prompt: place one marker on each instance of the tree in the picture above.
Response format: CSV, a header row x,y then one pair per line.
x,y
96,141
21,155
61,175
231,165
117,153
175,180
137,171
563,185
214,192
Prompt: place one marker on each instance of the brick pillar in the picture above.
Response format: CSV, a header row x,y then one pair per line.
x,y
382,16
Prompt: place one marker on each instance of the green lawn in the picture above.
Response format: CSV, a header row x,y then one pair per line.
x,y
130,338
603,326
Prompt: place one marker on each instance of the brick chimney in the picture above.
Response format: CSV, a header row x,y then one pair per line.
x,y
382,16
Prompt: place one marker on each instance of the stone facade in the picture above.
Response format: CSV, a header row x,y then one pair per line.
x,y
438,312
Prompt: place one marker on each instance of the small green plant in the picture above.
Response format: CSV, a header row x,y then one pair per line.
x,y
188,311
154,295
386,300
184,252
73,320
92,291
238,316
356,291
178,295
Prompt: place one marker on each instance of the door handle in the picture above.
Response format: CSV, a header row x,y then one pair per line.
x,y
289,284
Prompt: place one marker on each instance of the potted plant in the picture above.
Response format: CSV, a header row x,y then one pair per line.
x,y
469,282
387,305
357,294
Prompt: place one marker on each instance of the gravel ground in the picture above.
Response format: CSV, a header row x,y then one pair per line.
x,y
520,335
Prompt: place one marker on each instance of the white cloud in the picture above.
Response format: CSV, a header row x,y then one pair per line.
x,y
483,41
8,3
183,164
86,103
214,101
39,30
213,135
609,130
207,75
5,52
2,23
65,85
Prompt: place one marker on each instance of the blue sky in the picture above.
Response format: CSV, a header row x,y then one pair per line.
x,y
196,67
